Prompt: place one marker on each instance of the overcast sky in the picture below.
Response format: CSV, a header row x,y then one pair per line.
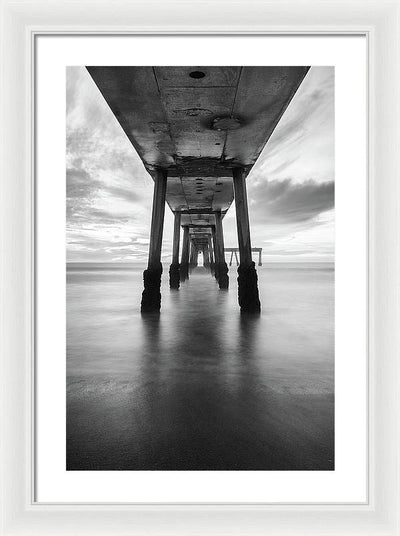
x,y
290,189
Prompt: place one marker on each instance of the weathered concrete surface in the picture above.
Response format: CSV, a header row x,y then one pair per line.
x,y
174,276
247,277
184,266
174,269
151,297
249,300
172,120
221,268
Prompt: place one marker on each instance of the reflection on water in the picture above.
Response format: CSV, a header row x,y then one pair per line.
x,y
200,386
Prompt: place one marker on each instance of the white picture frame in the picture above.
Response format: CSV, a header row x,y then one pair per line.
x,y
379,21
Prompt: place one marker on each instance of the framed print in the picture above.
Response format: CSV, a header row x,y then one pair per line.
x,y
201,268
295,227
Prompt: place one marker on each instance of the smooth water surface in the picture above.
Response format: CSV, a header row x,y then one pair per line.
x,y
200,387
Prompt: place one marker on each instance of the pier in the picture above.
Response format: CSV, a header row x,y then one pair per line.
x,y
199,131
235,251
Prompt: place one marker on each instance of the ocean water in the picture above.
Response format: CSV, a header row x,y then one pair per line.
x,y
200,386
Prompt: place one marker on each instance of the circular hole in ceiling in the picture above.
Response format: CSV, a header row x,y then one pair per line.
x,y
197,74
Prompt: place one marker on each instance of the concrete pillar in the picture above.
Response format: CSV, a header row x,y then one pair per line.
x,y
211,250
151,296
184,267
247,276
214,242
206,257
221,266
193,256
174,275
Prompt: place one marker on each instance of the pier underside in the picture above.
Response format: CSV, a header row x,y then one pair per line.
x,y
199,131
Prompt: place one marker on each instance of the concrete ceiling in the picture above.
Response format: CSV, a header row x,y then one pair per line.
x,y
198,123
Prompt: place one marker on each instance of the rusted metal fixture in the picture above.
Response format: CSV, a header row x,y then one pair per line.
x,y
226,123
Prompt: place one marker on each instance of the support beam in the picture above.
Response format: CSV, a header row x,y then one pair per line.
x,y
210,247
214,243
247,276
193,256
198,211
191,259
221,266
151,296
184,267
242,216
211,250
174,275
206,257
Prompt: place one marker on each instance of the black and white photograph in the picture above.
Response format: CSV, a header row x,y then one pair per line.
x,y
200,275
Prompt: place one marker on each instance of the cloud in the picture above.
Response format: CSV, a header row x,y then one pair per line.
x,y
128,194
80,185
302,144
109,192
287,202
295,127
